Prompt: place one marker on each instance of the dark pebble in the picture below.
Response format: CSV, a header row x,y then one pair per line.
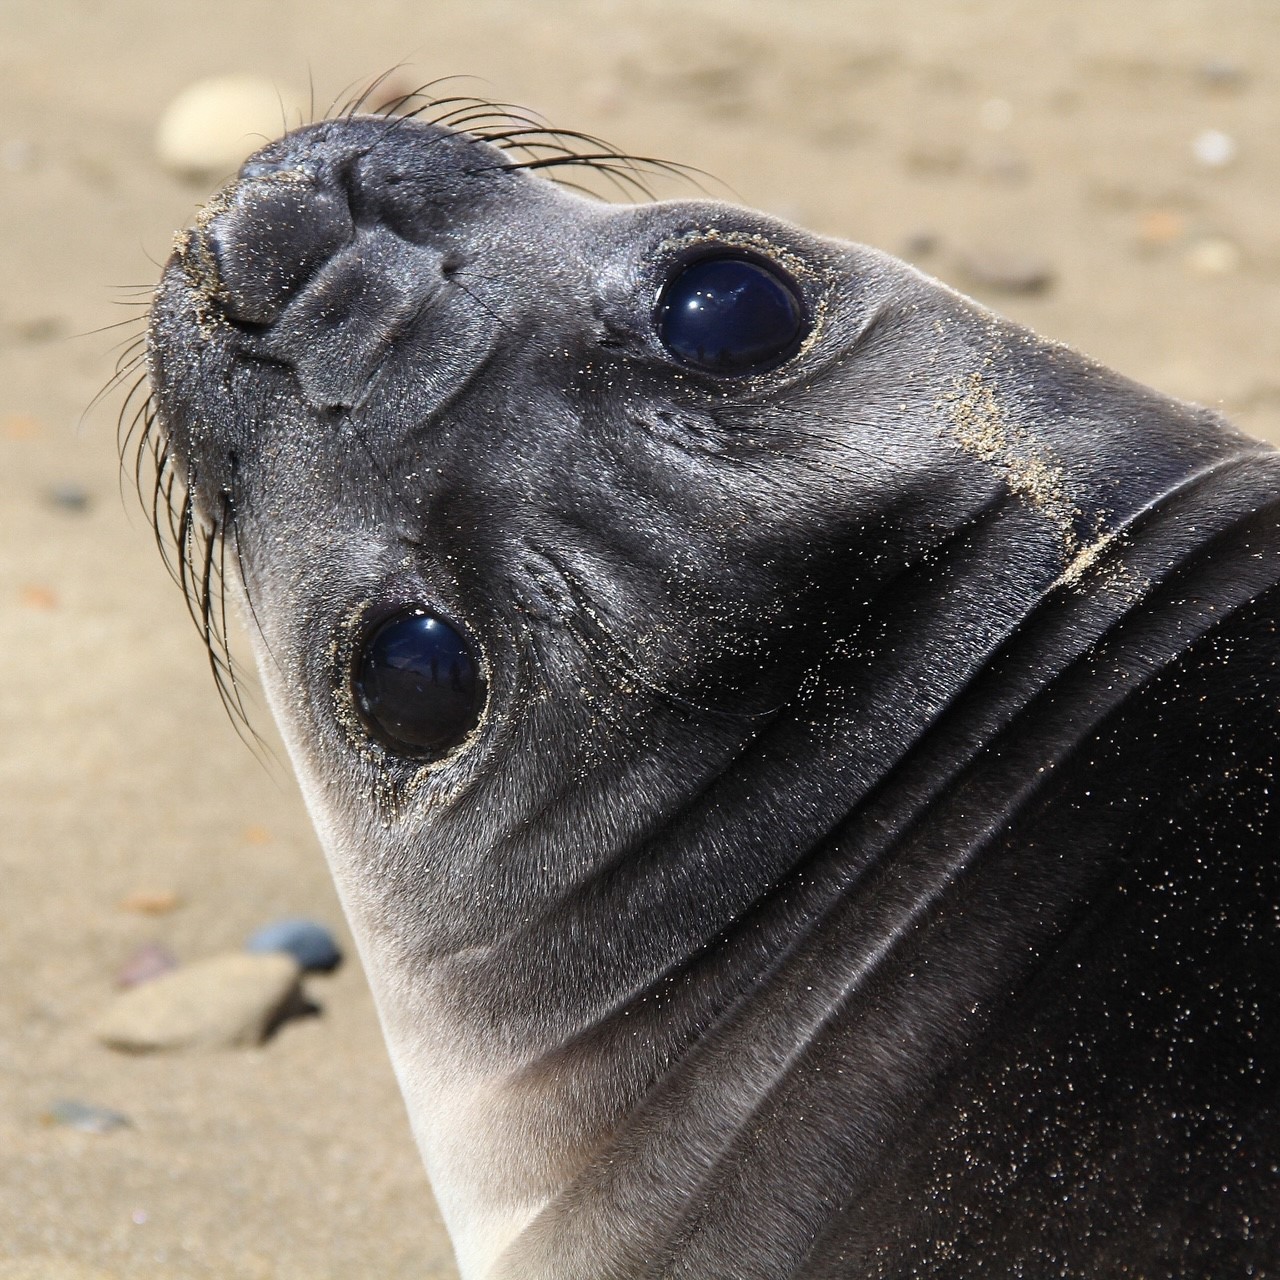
x,y
310,944
1221,73
68,497
1006,272
86,1118
920,244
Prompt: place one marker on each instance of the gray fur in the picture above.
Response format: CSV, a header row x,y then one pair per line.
x,y
867,830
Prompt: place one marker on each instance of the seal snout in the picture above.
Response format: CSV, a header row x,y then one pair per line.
x,y
298,258
276,231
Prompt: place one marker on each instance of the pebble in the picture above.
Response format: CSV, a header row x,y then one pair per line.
x,y
1221,73
1213,149
1214,256
38,328
921,244
149,961
150,902
226,1001
1159,228
69,1114
310,944
35,595
68,496
1002,272
215,124
20,426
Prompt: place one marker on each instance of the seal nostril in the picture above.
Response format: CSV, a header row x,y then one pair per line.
x,y
277,232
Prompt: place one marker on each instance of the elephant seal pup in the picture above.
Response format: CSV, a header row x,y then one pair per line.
x,y
798,752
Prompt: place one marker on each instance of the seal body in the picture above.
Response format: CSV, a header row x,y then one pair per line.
x,y
863,859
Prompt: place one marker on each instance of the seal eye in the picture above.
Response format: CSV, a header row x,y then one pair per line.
x,y
730,315
417,685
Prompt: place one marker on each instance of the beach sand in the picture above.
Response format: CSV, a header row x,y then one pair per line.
x,y
992,143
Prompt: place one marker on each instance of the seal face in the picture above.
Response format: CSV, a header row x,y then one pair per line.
x,y
797,751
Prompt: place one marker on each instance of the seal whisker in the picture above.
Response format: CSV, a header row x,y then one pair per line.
x,y
141,308
605,153
425,91
352,106
131,356
136,368
239,714
601,162
533,152
250,604
142,419
470,112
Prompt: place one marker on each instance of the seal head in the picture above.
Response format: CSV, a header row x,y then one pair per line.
x,y
797,751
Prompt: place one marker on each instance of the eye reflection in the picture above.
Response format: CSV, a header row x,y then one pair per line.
x,y
730,315
418,688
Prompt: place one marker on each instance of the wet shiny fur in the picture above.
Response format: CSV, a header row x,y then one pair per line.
x,y
866,861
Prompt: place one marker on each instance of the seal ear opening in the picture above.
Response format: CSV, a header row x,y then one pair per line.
x,y
731,314
417,686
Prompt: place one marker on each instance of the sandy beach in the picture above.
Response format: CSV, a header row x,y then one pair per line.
x,y
1106,174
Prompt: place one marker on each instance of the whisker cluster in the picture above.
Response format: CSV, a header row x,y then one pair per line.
x,y
192,545
527,138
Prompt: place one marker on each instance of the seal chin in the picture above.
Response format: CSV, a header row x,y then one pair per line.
x,y
777,729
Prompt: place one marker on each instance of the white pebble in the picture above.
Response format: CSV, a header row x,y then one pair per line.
x,y
1213,257
212,126
1213,148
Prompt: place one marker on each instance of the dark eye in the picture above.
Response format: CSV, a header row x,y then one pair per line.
x,y
730,316
417,685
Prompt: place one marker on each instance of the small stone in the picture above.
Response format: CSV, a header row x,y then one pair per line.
x,y
934,159
223,1002
20,426
210,128
69,1114
68,497
920,244
1215,256
35,595
1003,166
150,902
310,944
148,962
1213,148
1006,272
37,329
1221,73
1159,228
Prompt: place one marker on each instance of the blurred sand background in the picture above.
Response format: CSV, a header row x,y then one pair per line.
x,y
984,140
